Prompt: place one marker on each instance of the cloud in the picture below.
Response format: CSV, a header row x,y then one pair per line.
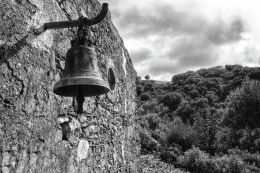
x,y
220,32
196,39
160,19
157,67
198,59
193,51
140,55
175,38
166,20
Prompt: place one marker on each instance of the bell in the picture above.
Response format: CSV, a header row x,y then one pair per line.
x,y
81,77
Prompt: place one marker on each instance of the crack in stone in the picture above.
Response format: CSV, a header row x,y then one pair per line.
x,y
16,77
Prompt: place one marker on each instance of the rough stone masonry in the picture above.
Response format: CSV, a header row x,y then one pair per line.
x,y
40,131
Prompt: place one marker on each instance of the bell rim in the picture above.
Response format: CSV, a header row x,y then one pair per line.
x,y
63,83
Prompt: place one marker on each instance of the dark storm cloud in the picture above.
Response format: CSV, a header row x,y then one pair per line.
x,y
140,55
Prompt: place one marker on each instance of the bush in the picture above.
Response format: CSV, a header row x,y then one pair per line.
x,y
243,116
244,106
200,103
250,158
153,106
147,77
148,144
223,139
168,156
138,78
153,121
199,161
145,97
212,97
181,134
185,111
248,139
206,125
156,134
172,100
196,160
139,90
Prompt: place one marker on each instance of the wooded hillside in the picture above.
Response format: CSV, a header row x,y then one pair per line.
x,y
203,121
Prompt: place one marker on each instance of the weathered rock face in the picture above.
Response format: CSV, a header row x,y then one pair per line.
x,y
39,131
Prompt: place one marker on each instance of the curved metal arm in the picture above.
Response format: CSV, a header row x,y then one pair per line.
x,y
102,14
73,23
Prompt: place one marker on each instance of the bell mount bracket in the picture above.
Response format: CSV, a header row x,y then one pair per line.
x,y
73,23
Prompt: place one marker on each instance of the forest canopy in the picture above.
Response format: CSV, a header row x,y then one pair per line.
x,y
203,120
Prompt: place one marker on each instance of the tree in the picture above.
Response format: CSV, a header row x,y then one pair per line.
x,y
172,100
147,77
139,90
185,111
244,106
145,97
207,124
138,80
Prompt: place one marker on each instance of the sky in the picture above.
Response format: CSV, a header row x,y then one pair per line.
x,y
167,37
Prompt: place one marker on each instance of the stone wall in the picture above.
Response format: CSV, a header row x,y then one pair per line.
x,y
40,131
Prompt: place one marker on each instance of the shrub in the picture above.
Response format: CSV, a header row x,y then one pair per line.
x,y
147,77
229,163
138,80
168,156
195,160
139,90
153,121
199,161
250,158
149,85
181,134
153,106
172,100
145,97
148,144
244,106
156,135
185,111
212,97
248,139
200,103
206,125
223,139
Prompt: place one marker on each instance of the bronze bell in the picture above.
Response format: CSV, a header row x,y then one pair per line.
x,y
81,77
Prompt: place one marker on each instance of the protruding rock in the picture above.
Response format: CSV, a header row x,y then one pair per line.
x,y
83,149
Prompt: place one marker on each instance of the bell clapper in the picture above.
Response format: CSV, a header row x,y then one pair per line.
x,y
80,100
